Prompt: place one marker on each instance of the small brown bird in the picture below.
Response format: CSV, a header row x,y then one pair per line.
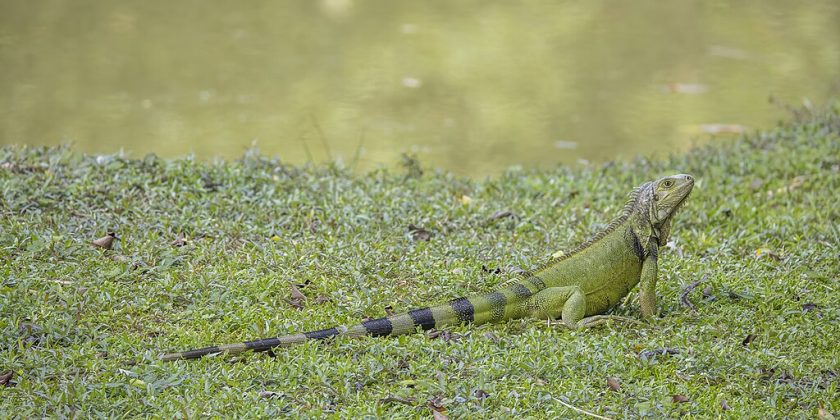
x,y
106,241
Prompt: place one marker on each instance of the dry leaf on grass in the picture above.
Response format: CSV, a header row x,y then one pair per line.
x,y
297,297
680,398
613,384
6,379
419,234
180,240
748,339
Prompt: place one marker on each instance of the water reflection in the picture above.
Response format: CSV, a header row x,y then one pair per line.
x,y
468,86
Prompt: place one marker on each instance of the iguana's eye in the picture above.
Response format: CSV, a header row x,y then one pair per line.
x,y
667,183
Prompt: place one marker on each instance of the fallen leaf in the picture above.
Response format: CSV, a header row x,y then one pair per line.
x,y
724,406
438,410
296,294
321,299
677,398
297,297
748,339
6,379
613,384
419,234
180,240
270,394
106,241
481,394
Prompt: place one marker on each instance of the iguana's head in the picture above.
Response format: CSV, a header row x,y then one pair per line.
x,y
657,202
668,195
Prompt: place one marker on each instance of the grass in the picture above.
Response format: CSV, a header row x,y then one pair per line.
x,y
81,328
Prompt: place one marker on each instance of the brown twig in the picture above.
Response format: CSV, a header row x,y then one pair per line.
x,y
684,296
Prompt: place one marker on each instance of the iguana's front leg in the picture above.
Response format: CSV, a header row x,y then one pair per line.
x,y
647,284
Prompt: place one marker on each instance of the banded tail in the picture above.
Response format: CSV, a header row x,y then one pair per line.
x,y
489,307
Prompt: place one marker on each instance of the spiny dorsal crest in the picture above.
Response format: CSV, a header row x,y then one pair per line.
x,y
628,209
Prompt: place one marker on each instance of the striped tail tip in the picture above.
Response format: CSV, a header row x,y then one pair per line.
x,y
197,353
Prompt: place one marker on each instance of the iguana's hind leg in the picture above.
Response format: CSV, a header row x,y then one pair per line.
x,y
568,303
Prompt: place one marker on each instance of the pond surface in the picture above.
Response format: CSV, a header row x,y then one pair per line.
x,y
469,86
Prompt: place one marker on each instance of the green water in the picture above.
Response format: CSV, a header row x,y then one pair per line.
x,y
469,86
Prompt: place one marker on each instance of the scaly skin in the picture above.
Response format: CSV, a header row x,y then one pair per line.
x,y
576,287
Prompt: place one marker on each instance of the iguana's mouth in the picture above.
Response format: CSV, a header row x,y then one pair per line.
x,y
680,205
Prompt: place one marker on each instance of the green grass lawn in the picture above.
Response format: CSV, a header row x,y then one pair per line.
x,y
81,328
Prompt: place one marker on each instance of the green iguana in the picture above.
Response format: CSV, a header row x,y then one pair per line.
x,y
576,286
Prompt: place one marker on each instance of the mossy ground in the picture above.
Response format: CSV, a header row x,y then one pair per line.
x,y
760,230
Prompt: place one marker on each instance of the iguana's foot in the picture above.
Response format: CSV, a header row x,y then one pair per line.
x,y
594,321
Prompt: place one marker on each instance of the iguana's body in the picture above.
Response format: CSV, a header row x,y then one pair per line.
x,y
575,287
